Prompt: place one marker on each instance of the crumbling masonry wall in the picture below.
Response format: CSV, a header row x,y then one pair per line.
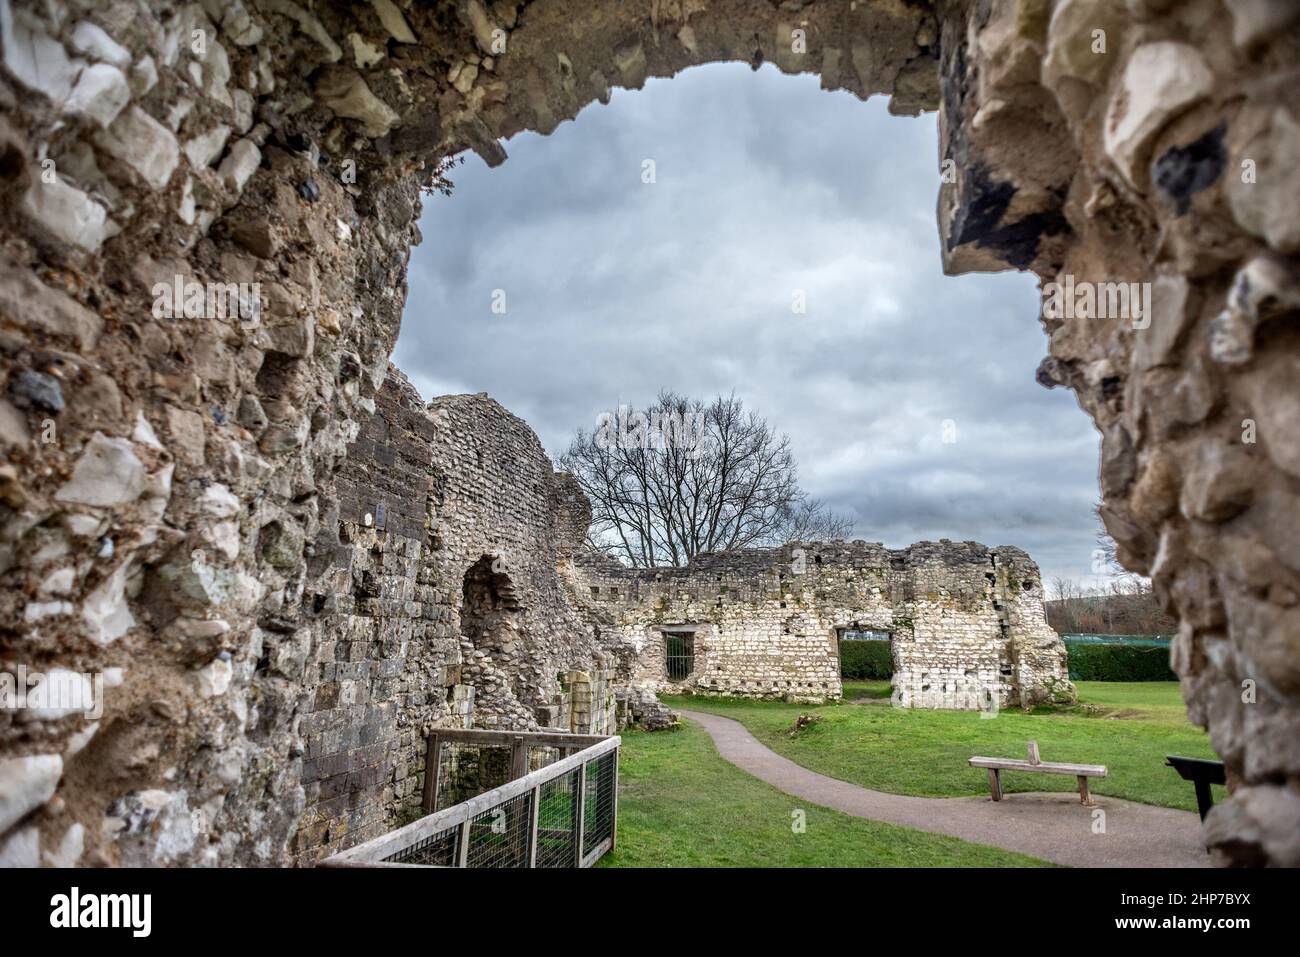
x,y
967,624
446,607
168,485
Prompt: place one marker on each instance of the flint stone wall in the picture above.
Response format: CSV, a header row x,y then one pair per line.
x,y
167,484
967,623
428,496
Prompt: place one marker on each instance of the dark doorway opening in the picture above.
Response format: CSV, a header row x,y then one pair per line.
x,y
679,654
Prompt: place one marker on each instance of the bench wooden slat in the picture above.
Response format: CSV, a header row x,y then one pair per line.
x,y
1049,767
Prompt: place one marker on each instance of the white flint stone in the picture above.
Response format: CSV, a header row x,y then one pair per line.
x,y
219,502
391,17
78,740
214,679
37,60
216,71
86,526
92,41
143,144
21,849
188,208
308,24
100,94
365,54
225,539
106,612
70,848
239,165
482,26
144,433
202,151
67,213
235,20
36,610
107,474
59,581
243,105
1266,206
1071,41
347,94
144,76
1160,81
25,784
179,110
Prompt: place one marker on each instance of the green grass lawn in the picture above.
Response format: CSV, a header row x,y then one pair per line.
x,y
1129,727
682,805
867,690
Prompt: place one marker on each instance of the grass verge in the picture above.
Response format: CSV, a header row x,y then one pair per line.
x,y
1129,727
682,805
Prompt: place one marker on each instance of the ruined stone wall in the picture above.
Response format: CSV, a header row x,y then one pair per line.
x,y
967,623
158,471
446,608
1165,157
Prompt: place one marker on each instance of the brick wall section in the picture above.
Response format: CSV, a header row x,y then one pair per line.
x,y
968,623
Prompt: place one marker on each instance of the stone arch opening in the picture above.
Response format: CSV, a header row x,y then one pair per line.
x,y
489,609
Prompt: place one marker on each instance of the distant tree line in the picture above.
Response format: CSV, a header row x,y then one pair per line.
x,y
1127,606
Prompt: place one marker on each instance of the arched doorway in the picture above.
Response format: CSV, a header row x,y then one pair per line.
x,y
489,607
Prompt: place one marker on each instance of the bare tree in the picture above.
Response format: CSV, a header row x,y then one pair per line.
x,y
1124,603
684,476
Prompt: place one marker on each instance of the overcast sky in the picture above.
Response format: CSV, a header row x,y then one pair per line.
x,y
764,185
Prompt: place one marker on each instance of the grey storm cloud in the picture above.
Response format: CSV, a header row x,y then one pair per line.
x,y
766,188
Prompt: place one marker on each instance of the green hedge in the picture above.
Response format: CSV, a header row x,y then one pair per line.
x,y
1119,663
866,659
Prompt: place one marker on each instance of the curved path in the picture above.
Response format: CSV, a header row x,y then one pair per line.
x,y
1051,826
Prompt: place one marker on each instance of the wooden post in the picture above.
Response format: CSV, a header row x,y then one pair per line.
x,y
995,783
432,767
1033,753
462,849
1084,797
613,823
579,822
536,801
518,758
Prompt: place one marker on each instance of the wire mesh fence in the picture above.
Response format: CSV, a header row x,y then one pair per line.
x,y
556,812
514,799
598,805
499,836
468,770
436,850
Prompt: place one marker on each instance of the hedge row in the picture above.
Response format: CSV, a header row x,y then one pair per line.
x,y
1119,663
865,660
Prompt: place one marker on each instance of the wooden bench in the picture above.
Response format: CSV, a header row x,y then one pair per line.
x,y
996,766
